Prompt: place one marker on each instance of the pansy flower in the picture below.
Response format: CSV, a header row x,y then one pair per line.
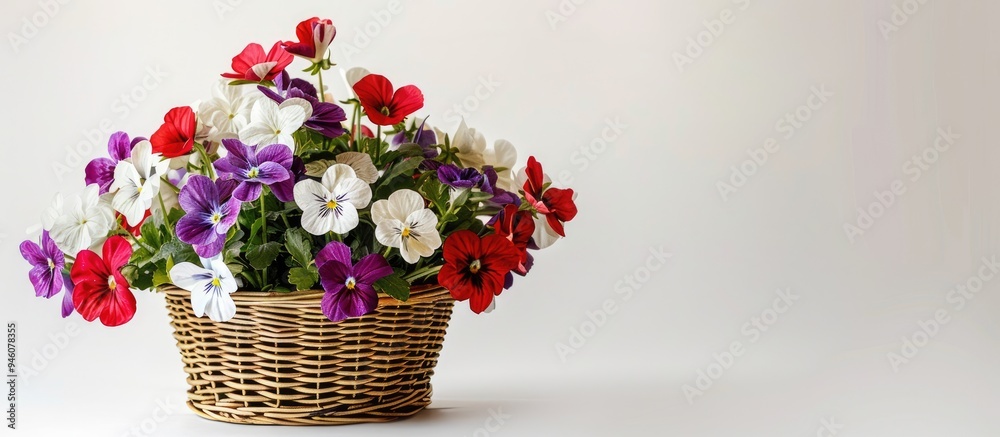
x,y
315,36
101,171
137,182
455,177
332,205
100,289
555,204
210,287
47,263
383,106
255,167
211,212
423,137
349,287
326,117
475,267
273,123
175,137
403,222
517,226
227,111
253,65
82,221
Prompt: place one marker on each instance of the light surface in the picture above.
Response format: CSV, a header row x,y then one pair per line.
x,y
552,88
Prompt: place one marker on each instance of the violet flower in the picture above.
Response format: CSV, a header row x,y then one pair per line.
x,y
47,263
101,171
253,168
423,137
67,303
326,117
500,196
349,290
211,211
452,176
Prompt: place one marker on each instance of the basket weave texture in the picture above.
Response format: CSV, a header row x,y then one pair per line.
x,y
280,361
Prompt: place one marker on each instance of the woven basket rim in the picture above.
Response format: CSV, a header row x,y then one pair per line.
x,y
418,294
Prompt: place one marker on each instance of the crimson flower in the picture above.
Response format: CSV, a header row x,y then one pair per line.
x,y
384,107
101,290
176,136
315,36
134,230
475,268
555,203
517,227
253,65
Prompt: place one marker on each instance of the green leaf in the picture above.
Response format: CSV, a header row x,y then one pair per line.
x,y
403,167
303,278
394,286
263,255
299,246
173,249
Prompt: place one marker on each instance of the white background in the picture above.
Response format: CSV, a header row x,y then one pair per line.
x,y
653,186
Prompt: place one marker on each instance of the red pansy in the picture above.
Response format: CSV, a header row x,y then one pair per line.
x,y
315,36
555,203
101,290
517,227
176,136
475,268
383,106
253,65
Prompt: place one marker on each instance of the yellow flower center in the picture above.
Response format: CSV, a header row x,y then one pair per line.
x,y
351,283
406,233
385,110
112,284
216,283
216,218
331,204
52,264
476,266
253,173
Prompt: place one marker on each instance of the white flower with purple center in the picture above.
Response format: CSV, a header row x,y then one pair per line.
x,y
137,182
332,206
210,287
403,222
271,123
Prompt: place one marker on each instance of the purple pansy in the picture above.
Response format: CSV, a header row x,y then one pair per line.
x,y
326,117
101,171
425,138
500,196
47,263
253,168
211,211
67,303
349,290
455,177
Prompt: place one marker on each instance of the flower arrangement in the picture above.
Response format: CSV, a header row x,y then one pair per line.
x,y
272,186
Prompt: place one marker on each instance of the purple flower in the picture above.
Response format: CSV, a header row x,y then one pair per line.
x,y
211,211
47,263
326,117
500,196
67,303
349,290
254,168
452,176
425,138
101,171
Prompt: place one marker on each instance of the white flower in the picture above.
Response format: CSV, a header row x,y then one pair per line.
x,y
83,222
228,111
470,144
137,182
403,222
271,123
52,213
503,154
362,165
354,75
210,288
332,205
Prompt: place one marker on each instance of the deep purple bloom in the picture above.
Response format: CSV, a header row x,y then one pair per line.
x,y
47,263
349,290
211,211
285,190
425,138
326,116
253,168
452,176
500,196
67,303
101,171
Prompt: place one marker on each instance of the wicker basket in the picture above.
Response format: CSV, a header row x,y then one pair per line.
x,y
280,361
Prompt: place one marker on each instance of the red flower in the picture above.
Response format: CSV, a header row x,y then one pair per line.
x,y
315,36
556,204
517,227
176,136
101,290
134,230
384,107
475,268
253,65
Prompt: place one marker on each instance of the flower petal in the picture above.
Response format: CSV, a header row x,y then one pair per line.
x,y
402,203
334,251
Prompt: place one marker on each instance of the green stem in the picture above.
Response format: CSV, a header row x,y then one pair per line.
x,y
422,273
378,143
322,92
163,209
206,163
263,217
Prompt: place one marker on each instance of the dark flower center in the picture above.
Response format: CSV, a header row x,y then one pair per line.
x,y
475,266
385,111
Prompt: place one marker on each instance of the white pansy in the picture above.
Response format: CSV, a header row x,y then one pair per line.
x,y
503,155
83,222
333,204
210,288
137,182
271,123
362,165
404,223
52,213
470,146
354,75
228,111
